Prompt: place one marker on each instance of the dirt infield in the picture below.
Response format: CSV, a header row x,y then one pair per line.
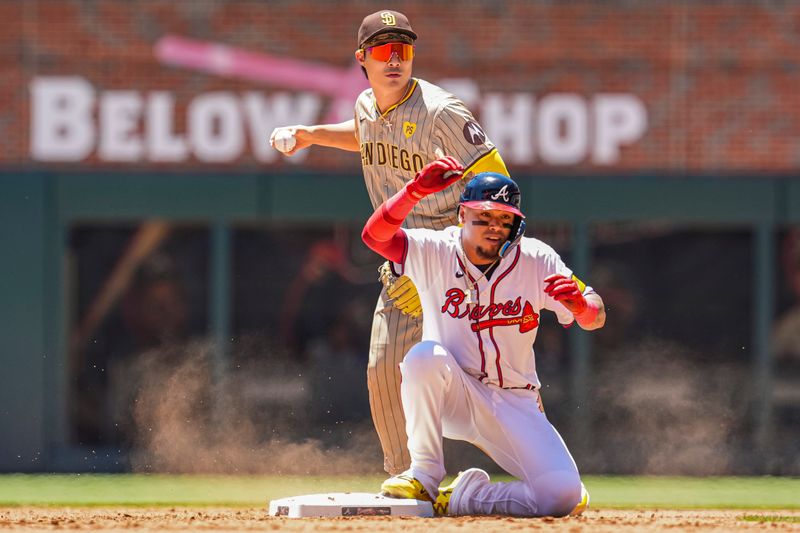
x,y
181,519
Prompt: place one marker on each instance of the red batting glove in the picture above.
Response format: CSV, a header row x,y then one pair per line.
x,y
566,291
434,177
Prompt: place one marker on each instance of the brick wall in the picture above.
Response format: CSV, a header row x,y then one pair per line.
x,y
718,80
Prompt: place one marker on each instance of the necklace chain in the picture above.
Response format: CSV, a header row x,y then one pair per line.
x,y
384,120
387,123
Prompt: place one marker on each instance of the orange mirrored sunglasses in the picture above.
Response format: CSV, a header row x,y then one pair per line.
x,y
383,52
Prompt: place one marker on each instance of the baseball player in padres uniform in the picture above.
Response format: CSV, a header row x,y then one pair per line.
x,y
400,124
473,376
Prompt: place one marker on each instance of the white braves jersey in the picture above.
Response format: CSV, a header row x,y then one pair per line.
x,y
492,339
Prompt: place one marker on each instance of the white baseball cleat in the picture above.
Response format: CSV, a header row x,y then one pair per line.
x,y
463,486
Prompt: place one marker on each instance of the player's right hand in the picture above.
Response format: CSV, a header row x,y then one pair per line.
x,y
300,134
435,176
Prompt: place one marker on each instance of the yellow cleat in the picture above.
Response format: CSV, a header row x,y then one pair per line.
x,y
584,503
443,499
405,486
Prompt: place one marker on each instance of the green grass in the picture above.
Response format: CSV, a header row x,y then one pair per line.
x,y
255,491
694,492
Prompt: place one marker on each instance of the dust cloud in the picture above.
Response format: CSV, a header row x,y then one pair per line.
x,y
657,409
661,409
190,417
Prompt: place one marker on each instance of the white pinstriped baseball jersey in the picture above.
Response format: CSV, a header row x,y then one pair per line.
x,y
424,125
492,339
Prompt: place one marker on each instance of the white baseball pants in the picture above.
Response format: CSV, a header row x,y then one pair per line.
x,y
440,399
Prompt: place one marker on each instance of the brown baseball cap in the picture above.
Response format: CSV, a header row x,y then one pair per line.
x,y
384,21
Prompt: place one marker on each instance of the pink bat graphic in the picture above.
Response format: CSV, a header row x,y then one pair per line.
x,y
342,85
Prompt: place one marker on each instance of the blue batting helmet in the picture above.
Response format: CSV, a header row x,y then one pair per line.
x,y
490,190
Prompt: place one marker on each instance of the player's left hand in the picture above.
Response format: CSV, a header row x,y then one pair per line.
x,y
565,290
435,176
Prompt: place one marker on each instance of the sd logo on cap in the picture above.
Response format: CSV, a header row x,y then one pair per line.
x,y
384,21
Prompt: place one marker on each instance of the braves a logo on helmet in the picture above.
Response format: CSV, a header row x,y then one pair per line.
x,y
502,193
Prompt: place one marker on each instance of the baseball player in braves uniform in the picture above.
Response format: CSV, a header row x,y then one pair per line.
x,y
401,123
473,375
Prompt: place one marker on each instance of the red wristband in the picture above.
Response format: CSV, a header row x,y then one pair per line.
x,y
588,315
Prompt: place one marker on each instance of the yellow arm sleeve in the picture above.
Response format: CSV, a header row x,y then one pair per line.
x,y
489,162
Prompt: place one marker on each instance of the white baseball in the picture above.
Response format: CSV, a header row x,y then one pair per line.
x,y
284,141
